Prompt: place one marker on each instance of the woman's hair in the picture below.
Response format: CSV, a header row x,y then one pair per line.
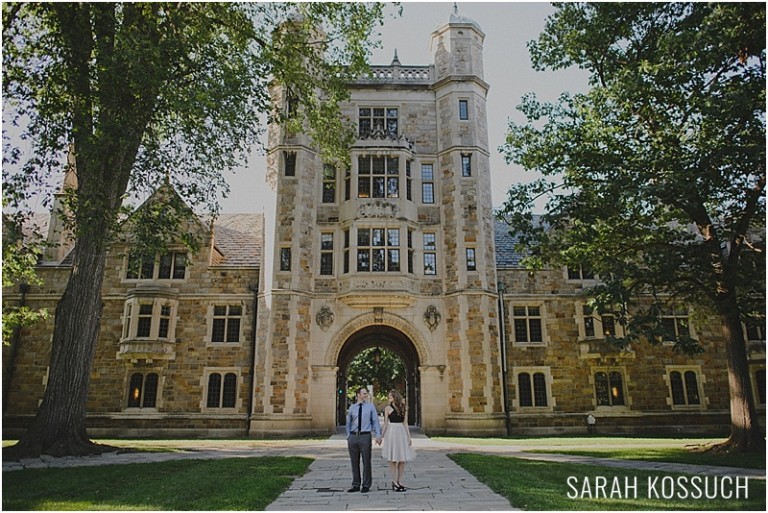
x,y
397,401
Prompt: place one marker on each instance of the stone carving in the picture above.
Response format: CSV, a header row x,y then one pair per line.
x,y
377,209
324,318
432,317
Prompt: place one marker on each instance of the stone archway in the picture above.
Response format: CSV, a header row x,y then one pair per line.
x,y
368,330
385,337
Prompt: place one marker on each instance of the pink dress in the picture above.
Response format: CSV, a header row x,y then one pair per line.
x,y
395,446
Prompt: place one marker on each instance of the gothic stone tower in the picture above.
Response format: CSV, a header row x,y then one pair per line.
x,y
396,252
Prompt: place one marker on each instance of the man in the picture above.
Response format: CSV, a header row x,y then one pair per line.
x,y
362,419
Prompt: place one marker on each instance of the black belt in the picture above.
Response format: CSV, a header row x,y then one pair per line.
x,y
361,432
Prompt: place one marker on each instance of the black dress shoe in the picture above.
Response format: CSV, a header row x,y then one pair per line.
x,y
364,489
354,489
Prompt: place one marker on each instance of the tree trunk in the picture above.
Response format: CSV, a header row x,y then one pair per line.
x,y
59,426
746,434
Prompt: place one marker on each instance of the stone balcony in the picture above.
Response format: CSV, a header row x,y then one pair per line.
x,y
146,349
398,74
601,348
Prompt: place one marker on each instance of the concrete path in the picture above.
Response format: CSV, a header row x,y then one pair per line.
x,y
434,481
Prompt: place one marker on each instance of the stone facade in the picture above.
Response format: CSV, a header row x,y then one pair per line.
x,y
157,350
647,399
395,252
399,250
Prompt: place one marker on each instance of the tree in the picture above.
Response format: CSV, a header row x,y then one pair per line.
x,y
656,176
384,369
147,93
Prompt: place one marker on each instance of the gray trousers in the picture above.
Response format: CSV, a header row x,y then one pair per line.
x,y
360,445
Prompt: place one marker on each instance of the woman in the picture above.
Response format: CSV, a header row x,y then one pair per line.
x,y
397,448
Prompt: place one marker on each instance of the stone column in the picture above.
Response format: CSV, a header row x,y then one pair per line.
x,y
433,403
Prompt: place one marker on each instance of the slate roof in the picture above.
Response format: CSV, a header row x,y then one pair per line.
x,y
239,238
506,256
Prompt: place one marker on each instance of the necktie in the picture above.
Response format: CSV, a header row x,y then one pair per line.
x,y
360,418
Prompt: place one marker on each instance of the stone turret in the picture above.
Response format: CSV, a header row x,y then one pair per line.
x,y
60,240
458,47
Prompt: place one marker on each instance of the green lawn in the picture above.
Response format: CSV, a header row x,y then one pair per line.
x,y
672,450
554,442
191,485
544,486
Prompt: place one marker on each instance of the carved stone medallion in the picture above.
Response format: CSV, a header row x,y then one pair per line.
x,y
432,317
324,318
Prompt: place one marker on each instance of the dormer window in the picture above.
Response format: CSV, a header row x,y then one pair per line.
x,y
168,266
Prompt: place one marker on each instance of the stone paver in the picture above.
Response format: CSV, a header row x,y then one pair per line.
x,y
434,482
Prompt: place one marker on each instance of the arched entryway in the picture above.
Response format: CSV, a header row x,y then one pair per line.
x,y
384,337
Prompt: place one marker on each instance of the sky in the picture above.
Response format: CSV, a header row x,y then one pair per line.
x,y
508,26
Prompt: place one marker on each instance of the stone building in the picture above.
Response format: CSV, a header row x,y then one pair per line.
x,y
399,250
175,350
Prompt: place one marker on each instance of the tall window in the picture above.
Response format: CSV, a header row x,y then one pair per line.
x,y
684,385
225,326
326,253
532,389
471,261
755,329
289,163
142,390
760,386
430,254
347,184
165,321
329,183
463,109
609,388
527,324
378,249
291,104
427,183
222,390
346,251
410,251
408,181
285,259
674,322
377,119
466,164
378,177
168,266
144,324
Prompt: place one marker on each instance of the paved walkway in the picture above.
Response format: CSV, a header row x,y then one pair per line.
x,y
434,481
